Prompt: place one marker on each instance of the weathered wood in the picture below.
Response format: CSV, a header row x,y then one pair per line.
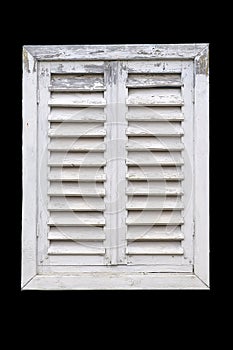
x,y
77,99
159,188
76,130
154,67
105,281
201,132
86,114
61,270
161,65
115,52
154,203
154,128
29,219
188,140
154,97
76,219
89,159
77,82
43,154
76,233
154,173
85,174
76,204
154,114
79,67
157,233
154,143
71,248
154,158
115,199
154,248
75,260
154,218
76,145
153,80
76,189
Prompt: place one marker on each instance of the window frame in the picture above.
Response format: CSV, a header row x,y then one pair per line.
x,y
199,279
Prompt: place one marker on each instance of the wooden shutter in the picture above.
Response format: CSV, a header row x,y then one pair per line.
x,y
87,113
72,117
115,147
159,224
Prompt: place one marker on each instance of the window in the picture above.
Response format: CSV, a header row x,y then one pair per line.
x,y
115,167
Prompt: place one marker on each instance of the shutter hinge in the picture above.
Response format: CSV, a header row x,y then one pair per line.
x,y
193,98
38,96
193,228
37,230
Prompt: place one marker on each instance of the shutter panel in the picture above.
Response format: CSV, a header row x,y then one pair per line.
x,y
159,111
74,131
115,141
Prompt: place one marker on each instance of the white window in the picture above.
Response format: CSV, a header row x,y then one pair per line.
x,y
115,167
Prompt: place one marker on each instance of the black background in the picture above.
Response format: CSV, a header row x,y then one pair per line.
x,y
111,23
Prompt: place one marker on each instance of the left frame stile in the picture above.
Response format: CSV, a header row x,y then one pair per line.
x,y
29,211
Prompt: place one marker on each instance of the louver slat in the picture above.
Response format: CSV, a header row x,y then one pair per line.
x,y
155,97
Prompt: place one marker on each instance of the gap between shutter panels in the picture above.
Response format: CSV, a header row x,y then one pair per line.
x,y
76,166
154,164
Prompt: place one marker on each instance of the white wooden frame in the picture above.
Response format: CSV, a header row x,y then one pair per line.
x,y
199,279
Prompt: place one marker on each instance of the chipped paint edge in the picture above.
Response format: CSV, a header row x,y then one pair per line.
x,y
116,52
202,62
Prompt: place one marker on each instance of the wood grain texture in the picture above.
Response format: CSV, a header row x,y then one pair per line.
x,y
153,80
154,128
85,114
77,82
154,97
144,173
115,52
76,130
116,168
77,99
152,143
154,114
